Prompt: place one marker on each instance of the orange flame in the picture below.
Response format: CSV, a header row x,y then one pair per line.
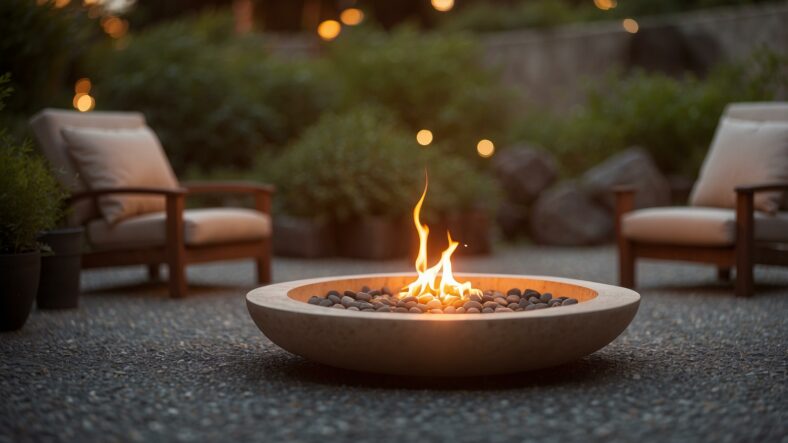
x,y
427,282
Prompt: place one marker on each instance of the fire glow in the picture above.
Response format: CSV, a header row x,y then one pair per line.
x,y
436,281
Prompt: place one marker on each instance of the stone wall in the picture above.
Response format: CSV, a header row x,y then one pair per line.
x,y
550,67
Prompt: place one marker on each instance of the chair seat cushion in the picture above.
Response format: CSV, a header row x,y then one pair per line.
x,y
201,227
698,226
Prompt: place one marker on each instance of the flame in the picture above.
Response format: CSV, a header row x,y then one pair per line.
x,y
448,289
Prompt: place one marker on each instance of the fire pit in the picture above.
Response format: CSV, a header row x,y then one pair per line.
x,y
439,324
442,344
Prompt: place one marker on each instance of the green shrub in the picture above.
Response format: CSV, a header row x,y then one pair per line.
x,y
30,198
432,81
214,99
361,162
39,46
674,119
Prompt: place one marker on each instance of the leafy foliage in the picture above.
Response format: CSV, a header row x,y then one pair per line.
x,y
214,99
361,162
674,119
30,198
39,45
433,81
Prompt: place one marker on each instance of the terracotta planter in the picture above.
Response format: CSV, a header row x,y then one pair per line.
x,y
18,285
59,284
303,237
373,238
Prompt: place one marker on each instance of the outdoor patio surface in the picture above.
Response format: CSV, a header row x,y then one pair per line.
x,y
696,364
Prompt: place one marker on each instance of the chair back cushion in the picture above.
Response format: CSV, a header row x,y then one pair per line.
x,y
117,158
745,152
46,127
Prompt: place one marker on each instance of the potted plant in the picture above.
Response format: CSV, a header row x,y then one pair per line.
x,y
354,175
61,264
29,204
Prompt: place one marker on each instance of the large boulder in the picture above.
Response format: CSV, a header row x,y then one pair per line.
x,y
635,167
524,172
566,215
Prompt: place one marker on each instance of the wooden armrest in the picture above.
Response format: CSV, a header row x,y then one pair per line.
x,y
235,187
262,193
95,193
762,187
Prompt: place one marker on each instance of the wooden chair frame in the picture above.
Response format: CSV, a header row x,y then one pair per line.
x,y
743,255
175,253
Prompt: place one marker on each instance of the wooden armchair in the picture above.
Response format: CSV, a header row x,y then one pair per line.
x,y
171,235
738,235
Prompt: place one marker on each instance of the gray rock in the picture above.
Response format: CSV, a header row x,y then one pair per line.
x,y
634,167
567,216
524,172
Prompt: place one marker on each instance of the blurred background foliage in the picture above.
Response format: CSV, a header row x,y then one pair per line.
x,y
336,132
673,118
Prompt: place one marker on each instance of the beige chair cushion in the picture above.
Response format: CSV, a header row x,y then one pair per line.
x,y
743,153
118,158
46,127
201,227
698,226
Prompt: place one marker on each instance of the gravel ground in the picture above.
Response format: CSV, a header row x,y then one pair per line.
x,y
696,364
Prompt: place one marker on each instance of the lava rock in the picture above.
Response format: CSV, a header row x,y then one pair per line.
x,y
327,303
569,301
348,301
314,300
363,296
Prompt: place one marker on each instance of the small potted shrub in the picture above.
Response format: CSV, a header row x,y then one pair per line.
x,y
61,264
30,201
356,173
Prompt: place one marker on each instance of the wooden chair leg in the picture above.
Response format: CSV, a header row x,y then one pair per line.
x,y
723,274
153,272
744,244
264,263
626,264
176,251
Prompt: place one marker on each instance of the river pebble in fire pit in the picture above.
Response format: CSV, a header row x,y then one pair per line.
x,y
382,300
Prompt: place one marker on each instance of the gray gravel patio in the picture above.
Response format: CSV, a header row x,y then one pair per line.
x,y
696,364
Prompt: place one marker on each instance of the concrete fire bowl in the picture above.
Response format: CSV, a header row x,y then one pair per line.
x,y
442,344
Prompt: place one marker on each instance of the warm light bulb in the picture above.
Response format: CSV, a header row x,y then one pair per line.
x,y
61,3
82,86
424,137
329,29
442,5
605,5
352,16
630,25
84,102
485,148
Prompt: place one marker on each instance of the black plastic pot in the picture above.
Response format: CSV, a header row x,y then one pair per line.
x,y
60,268
18,286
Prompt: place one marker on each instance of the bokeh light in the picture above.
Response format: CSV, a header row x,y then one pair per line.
x,y
84,102
82,86
443,5
61,3
114,26
352,16
605,5
630,25
485,148
424,137
329,29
